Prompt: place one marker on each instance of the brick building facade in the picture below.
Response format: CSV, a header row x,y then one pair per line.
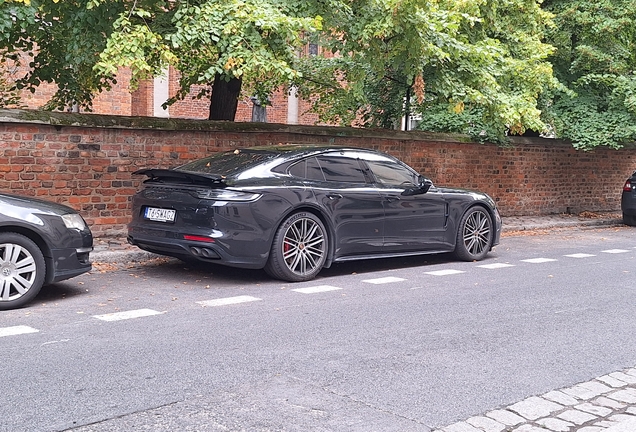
x,y
147,99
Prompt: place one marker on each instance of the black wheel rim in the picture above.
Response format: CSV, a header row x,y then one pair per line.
x,y
304,247
17,271
477,233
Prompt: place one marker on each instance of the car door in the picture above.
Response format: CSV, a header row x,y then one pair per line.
x,y
351,200
414,219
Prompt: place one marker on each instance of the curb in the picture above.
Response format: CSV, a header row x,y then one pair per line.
x,y
513,226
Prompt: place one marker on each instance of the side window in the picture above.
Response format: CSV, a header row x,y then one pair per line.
x,y
342,169
307,169
390,173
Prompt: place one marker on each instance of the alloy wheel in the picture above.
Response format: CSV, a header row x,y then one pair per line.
x,y
17,271
303,246
476,233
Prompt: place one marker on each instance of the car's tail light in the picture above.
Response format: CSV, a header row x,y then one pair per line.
x,y
628,186
227,195
198,238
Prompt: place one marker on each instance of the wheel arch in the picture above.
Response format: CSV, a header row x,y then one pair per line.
x,y
485,206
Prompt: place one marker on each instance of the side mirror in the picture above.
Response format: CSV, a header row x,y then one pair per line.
x,y
422,188
426,184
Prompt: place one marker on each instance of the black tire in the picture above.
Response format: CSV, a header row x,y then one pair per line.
x,y
22,270
629,219
474,235
299,249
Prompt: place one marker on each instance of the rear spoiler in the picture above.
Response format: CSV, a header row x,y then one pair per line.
x,y
190,177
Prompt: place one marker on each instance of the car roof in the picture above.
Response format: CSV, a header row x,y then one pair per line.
x,y
295,151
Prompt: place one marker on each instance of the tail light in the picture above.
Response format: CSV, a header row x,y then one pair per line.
x,y
198,238
628,186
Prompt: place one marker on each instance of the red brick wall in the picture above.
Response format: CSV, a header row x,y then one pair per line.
x,y
90,167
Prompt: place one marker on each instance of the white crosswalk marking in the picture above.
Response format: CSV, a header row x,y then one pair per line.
x,y
580,255
118,316
16,330
538,260
316,289
228,301
495,266
615,251
388,279
444,272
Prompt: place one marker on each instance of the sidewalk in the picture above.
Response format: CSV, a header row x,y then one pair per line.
x,y
603,404
115,250
512,224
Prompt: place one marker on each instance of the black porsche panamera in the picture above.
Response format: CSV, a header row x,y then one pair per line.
x,y
294,210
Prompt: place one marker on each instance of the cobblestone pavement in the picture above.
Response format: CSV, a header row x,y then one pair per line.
x,y
604,404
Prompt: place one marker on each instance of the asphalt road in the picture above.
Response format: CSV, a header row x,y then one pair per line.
x,y
386,345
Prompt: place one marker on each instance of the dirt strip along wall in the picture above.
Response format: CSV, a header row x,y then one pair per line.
x,y
86,161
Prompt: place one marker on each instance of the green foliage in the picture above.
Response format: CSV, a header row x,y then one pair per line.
x,y
439,118
60,42
254,41
488,68
9,94
596,60
486,56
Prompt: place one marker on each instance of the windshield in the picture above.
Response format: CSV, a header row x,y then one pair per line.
x,y
228,164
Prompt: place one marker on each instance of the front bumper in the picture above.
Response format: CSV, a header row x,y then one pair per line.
x,y
68,262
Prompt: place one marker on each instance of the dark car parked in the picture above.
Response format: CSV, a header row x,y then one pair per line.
x,y
41,242
628,201
293,210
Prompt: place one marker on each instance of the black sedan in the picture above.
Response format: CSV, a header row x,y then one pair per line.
x,y
41,242
293,210
628,201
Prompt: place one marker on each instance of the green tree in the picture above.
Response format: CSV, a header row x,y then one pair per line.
x,y
58,42
218,44
440,59
226,43
595,59
479,64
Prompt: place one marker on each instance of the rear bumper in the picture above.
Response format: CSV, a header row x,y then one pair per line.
x,y
214,251
628,203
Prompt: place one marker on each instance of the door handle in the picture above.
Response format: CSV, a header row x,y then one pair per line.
x,y
334,196
392,198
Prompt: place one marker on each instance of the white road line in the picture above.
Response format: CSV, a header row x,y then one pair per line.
x,y
615,251
444,272
538,260
118,316
580,255
495,266
388,279
316,289
16,330
228,301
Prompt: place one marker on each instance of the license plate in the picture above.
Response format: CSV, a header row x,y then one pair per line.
x,y
160,215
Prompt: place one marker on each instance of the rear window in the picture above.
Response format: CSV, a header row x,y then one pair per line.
x,y
228,163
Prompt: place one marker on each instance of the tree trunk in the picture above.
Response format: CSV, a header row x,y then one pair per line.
x,y
224,98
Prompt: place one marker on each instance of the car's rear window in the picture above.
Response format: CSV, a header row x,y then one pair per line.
x,y
228,164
